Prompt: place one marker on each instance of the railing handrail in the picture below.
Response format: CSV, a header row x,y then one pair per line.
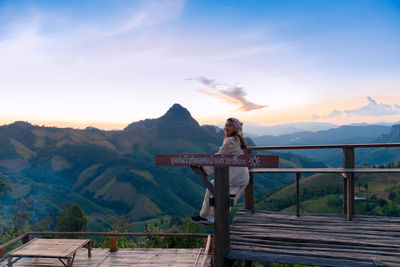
x,y
325,170
26,236
347,171
324,146
11,242
187,235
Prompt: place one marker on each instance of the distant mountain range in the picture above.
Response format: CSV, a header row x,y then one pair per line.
x,y
256,130
112,173
349,134
253,129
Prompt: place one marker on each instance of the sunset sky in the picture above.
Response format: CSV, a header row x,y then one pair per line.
x,y
109,63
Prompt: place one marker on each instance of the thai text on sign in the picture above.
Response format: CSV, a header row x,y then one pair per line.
x,y
266,161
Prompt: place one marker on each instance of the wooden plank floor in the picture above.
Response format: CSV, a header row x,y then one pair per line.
x,y
313,239
125,257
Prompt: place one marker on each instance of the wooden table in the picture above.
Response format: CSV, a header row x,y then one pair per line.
x,y
50,248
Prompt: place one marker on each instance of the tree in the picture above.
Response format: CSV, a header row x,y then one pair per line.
x,y
22,214
72,219
4,186
392,209
392,196
366,187
359,184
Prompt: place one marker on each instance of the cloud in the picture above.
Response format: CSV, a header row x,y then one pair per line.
x,y
231,94
90,31
373,109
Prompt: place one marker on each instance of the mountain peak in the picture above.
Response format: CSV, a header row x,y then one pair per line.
x,y
175,116
177,112
21,124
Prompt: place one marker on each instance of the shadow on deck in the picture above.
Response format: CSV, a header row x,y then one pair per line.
x,y
125,257
317,239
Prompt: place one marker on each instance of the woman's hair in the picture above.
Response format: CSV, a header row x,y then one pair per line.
x,y
238,132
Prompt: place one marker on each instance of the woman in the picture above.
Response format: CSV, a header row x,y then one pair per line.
x,y
233,144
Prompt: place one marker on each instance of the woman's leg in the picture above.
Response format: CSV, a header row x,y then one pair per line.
x,y
206,209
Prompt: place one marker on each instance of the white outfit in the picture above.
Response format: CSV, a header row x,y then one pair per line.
x,y
238,176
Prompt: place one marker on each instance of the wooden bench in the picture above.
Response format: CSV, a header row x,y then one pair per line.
x,y
62,249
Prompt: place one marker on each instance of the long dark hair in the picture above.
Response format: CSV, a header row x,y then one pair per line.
x,y
243,143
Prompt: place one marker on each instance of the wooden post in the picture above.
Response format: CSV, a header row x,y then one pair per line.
x,y
221,216
1,253
249,194
113,244
348,162
90,249
344,186
298,177
249,191
26,239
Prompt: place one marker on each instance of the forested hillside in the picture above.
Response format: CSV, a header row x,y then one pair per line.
x,y
112,173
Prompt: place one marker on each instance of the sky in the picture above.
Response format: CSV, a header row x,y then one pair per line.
x,y
107,63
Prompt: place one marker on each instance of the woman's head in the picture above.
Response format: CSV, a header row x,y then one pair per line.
x,y
233,127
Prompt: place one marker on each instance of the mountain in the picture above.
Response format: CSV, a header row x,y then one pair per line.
x,y
254,129
378,156
342,135
115,170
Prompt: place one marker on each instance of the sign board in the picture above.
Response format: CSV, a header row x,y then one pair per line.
x,y
218,160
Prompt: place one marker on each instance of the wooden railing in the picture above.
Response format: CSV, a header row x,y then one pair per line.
x,y
26,237
347,172
220,189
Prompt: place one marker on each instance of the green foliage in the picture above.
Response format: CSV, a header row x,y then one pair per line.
x,y
72,219
8,236
391,209
382,202
334,200
122,241
22,214
172,242
366,187
4,186
392,196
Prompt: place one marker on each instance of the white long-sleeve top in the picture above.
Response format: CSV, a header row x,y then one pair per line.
x,y
238,176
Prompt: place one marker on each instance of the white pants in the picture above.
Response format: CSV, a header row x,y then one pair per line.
x,y
238,178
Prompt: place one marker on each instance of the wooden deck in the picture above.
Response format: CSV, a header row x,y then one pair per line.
x,y
313,239
125,257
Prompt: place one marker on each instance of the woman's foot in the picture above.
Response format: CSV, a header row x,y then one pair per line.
x,y
199,219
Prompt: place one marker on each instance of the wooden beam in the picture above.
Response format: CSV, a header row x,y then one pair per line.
x,y
348,162
324,146
218,160
249,203
344,189
203,177
298,177
249,191
325,170
221,222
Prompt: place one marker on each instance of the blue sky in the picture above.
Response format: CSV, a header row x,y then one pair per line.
x,y
108,63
